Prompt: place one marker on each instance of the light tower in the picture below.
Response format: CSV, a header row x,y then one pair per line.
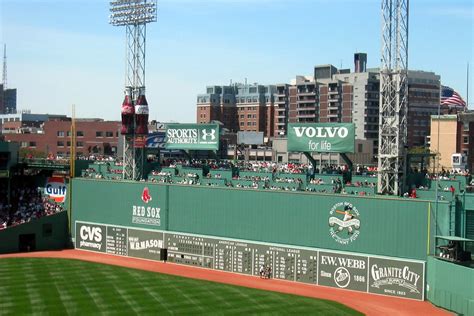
x,y
134,15
393,97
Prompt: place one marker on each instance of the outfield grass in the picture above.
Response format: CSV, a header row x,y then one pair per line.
x,y
61,286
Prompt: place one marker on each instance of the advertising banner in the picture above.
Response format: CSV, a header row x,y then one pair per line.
x,y
250,138
145,244
343,271
55,189
91,237
192,136
321,137
156,140
397,278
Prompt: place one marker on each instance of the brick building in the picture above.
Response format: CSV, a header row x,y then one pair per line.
x,y
93,136
240,107
455,134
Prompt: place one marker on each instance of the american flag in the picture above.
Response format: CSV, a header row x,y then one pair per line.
x,y
449,97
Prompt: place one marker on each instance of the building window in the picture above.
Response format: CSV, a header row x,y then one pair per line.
x,y
99,134
60,144
68,134
80,144
80,134
109,134
60,133
249,123
249,115
68,144
241,123
32,144
24,144
466,126
466,140
360,148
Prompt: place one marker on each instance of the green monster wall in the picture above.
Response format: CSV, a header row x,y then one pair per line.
x,y
381,226
49,232
450,286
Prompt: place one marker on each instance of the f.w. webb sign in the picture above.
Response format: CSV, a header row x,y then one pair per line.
x,y
192,136
321,137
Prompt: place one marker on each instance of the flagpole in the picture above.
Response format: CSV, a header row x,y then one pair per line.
x,y
467,87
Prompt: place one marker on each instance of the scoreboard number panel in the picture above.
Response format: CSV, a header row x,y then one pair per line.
x,y
365,273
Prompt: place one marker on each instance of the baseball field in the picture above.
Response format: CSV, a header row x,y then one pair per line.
x,y
64,286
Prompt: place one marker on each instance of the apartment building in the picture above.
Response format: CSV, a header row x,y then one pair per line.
x,y
281,105
241,107
7,100
329,95
423,101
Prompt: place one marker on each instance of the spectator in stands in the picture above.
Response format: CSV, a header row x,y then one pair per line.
x,y
452,189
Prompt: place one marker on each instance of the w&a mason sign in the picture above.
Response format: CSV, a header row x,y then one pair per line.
x,y
321,137
192,136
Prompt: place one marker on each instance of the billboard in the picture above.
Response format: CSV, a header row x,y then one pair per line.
x,y
56,189
321,137
192,136
250,138
156,140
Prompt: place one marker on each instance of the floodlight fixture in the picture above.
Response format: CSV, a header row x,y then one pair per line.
x,y
132,12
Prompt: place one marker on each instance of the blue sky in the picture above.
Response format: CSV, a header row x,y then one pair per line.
x,y
63,52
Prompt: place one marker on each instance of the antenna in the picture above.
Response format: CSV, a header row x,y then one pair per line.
x,y
4,75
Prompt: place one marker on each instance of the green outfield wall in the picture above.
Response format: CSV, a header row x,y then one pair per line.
x,y
45,233
450,286
381,226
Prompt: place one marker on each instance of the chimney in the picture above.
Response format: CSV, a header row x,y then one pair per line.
x,y
360,62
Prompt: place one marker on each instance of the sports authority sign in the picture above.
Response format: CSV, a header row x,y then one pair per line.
x,y
321,137
192,136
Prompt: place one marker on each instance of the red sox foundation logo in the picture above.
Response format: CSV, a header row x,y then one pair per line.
x,y
149,214
146,197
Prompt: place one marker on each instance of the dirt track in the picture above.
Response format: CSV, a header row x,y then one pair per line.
x,y
368,304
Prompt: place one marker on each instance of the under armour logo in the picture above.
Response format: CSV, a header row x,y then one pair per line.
x,y
205,134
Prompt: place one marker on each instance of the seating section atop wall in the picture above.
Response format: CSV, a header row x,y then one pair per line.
x,y
284,177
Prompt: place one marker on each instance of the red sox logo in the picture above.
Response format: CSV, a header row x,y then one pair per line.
x,y
146,197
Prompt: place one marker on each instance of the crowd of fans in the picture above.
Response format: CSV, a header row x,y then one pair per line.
x,y
27,202
276,176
